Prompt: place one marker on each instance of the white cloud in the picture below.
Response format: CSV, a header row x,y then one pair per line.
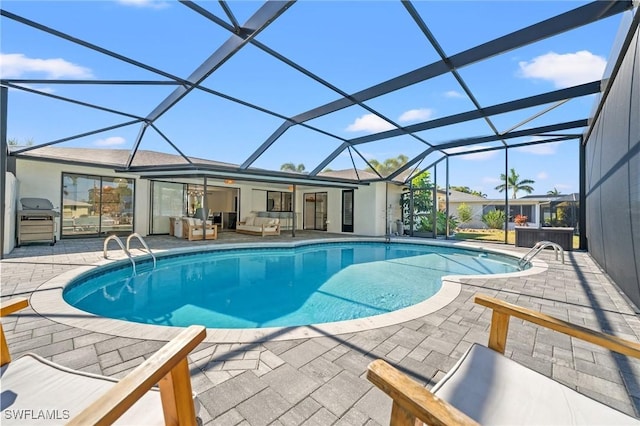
x,y
369,123
29,86
453,94
479,156
372,123
413,115
152,4
15,65
112,141
565,70
542,176
540,149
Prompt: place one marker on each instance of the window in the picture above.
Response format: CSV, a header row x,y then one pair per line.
x,y
527,210
96,205
279,201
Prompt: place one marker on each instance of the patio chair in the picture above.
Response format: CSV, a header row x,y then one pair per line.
x,y
37,391
488,388
193,229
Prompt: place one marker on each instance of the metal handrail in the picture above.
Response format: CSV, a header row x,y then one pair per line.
x,y
537,248
139,237
119,241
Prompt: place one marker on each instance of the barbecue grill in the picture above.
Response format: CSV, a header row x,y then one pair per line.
x,y
36,221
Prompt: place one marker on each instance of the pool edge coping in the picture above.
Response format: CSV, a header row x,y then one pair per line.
x,y
47,301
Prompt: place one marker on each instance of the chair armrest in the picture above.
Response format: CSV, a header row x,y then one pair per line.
x,y
168,368
7,308
13,305
412,401
502,311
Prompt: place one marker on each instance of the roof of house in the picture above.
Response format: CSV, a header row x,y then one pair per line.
x,y
114,157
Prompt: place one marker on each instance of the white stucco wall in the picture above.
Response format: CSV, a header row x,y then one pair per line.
x,y
44,180
375,205
11,206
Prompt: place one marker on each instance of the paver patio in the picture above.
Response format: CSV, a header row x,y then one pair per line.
x,y
321,380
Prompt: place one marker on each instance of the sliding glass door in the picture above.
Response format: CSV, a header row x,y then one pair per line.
x,y
315,211
96,205
347,210
167,200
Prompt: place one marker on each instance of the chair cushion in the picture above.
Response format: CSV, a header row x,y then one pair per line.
x,y
249,220
38,392
493,389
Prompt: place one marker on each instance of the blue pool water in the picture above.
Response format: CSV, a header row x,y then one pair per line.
x,y
253,288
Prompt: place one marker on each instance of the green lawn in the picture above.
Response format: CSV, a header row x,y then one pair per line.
x,y
496,235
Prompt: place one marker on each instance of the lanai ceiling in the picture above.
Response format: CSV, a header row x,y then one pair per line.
x,y
243,87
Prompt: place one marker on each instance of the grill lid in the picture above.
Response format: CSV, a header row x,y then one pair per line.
x,y
29,203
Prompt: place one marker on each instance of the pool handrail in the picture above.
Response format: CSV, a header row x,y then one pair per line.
x,y
142,241
537,248
119,241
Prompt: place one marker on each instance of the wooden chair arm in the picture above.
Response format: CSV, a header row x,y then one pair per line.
x,y
7,308
13,305
411,401
169,369
502,311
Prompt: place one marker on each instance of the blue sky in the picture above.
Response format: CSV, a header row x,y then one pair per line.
x,y
351,45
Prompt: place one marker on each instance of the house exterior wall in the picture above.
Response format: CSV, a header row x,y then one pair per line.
x,y
612,157
44,180
375,205
11,206
476,214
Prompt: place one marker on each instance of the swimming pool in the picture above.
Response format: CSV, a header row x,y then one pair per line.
x,y
278,286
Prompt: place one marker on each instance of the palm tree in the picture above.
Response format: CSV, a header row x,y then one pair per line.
x,y
514,184
291,167
554,192
389,165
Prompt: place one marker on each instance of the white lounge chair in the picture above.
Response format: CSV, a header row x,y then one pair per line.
x,y
36,391
488,388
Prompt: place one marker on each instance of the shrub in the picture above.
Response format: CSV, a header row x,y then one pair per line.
x,y
464,213
494,219
441,223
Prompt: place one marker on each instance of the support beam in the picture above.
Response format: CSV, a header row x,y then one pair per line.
x,y
572,19
528,102
582,188
258,22
4,95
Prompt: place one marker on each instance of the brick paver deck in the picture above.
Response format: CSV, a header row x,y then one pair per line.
x,y
321,380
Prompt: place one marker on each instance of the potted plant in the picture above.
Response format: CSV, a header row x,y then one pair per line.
x,y
520,220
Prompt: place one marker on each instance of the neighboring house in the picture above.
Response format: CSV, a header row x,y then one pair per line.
x,y
540,210
96,196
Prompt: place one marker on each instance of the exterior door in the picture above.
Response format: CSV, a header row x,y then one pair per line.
x,y
315,211
347,210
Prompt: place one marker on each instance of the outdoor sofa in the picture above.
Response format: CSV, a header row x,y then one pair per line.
x,y
486,387
259,225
